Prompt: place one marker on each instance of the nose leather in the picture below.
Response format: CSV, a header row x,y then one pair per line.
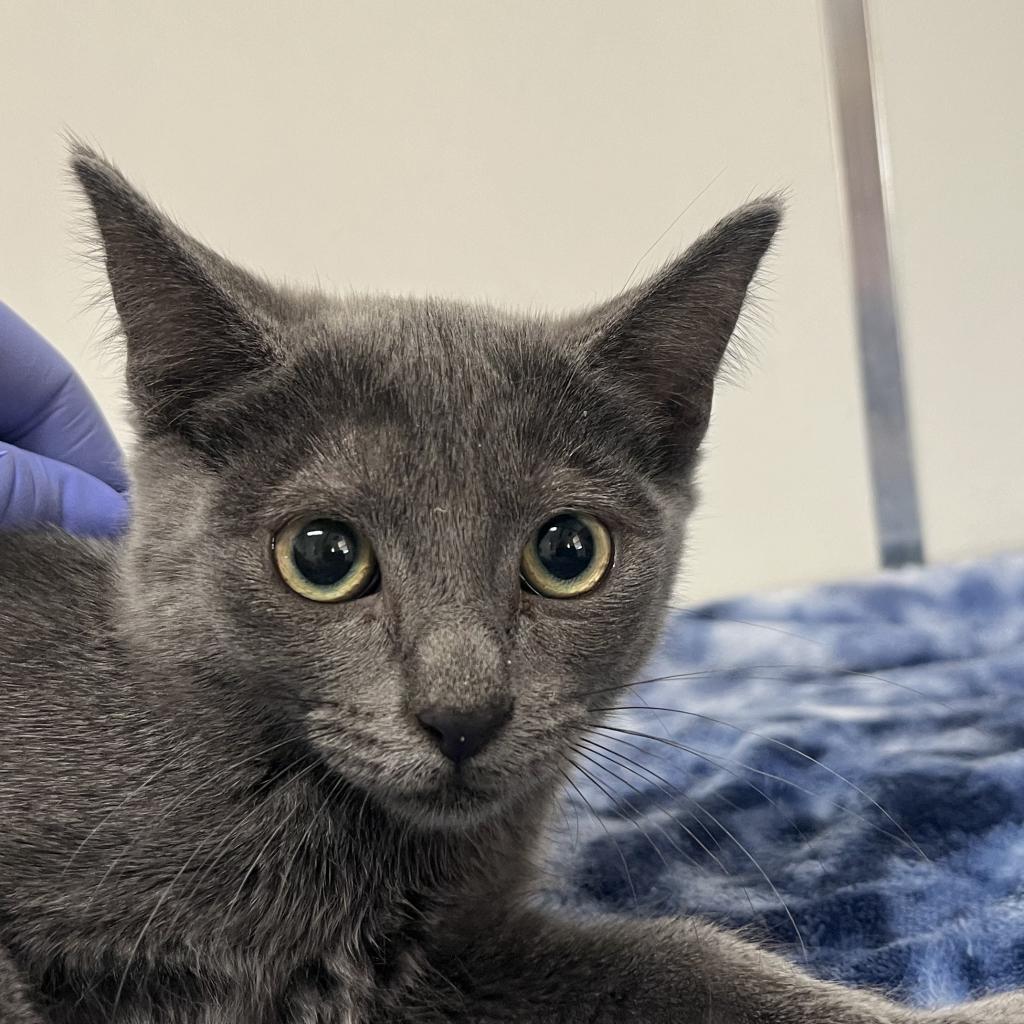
x,y
461,734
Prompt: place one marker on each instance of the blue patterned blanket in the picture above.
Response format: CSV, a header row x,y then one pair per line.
x,y
840,768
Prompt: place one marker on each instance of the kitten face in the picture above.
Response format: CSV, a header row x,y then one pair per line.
x,y
445,436
447,459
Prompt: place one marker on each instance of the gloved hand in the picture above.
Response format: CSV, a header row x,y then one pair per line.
x,y
59,462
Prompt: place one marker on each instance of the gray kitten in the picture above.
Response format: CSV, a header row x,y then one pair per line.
x,y
287,753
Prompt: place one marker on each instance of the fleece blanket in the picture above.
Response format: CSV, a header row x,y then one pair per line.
x,y
839,768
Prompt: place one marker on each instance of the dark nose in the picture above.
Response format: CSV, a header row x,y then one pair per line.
x,y
461,734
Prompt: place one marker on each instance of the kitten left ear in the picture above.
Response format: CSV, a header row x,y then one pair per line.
x,y
197,327
664,340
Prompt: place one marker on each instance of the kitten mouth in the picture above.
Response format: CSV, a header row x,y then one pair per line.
x,y
453,796
458,789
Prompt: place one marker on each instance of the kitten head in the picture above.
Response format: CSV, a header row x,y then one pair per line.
x,y
419,537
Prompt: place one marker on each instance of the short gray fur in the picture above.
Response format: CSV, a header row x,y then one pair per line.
x,y
217,805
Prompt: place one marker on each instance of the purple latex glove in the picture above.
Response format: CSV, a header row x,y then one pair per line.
x,y
59,462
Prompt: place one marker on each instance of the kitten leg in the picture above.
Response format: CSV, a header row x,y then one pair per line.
x,y
537,969
15,1005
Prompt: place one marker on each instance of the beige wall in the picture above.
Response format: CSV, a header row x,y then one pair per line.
x,y
953,84
531,153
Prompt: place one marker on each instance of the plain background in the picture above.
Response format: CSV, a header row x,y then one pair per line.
x,y
540,154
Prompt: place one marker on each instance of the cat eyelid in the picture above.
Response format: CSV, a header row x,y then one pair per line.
x,y
283,516
643,518
637,509
571,509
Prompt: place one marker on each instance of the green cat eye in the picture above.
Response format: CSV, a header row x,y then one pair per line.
x,y
567,557
325,559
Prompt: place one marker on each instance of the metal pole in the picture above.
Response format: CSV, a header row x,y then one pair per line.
x,y
861,143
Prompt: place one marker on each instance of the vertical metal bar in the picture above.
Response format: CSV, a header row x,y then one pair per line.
x,y
861,139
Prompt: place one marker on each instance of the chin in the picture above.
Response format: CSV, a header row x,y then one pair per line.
x,y
456,803
436,796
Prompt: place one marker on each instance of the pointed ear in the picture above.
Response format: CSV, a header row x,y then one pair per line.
x,y
663,341
196,326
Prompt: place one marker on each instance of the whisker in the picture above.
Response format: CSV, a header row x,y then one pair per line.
x,y
753,860
554,831
174,804
771,628
309,702
678,217
785,746
700,616
721,761
152,916
663,757
764,874
280,827
216,855
331,793
178,756
700,674
615,799
714,759
703,810
611,754
760,792
744,671
600,821
640,697
697,752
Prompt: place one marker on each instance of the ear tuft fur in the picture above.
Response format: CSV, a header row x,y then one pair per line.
x,y
195,325
665,339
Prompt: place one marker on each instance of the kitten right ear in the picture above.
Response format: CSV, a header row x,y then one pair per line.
x,y
196,326
663,341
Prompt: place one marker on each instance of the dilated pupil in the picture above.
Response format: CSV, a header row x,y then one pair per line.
x,y
324,552
565,547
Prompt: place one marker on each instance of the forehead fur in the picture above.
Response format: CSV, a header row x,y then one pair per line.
x,y
438,379
216,355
